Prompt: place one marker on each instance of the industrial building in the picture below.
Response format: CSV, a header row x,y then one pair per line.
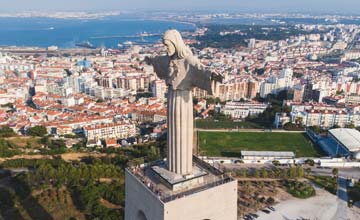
x,y
347,139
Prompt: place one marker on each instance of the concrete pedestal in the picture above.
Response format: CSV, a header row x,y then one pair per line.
x,y
146,199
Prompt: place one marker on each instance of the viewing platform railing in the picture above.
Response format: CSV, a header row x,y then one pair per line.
x,y
141,173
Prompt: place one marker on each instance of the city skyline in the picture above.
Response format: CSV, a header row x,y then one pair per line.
x,y
320,6
179,110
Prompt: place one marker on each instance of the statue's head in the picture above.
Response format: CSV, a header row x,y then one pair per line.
x,y
175,45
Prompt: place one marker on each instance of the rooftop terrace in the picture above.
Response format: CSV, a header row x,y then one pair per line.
x,y
204,177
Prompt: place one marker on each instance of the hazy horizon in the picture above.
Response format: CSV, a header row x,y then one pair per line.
x,y
309,6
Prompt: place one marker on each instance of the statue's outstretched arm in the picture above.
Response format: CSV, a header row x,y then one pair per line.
x,y
203,78
160,64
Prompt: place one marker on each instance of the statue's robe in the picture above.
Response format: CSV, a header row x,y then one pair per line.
x,y
181,76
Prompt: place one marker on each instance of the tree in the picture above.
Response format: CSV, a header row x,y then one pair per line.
x,y
335,172
241,173
316,129
310,162
298,120
210,100
275,162
350,125
335,126
298,75
6,149
153,153
6,131
38,130
339,92
260,71
293,127
299,172
256,174
263,173
292,172
282,95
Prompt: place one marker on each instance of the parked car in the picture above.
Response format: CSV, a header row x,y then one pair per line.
x,y
253,215
248,217
266,211
271,208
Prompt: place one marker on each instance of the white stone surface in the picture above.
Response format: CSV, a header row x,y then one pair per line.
x,y
182,71
216,203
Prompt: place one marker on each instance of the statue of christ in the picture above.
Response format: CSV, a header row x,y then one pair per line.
x,y
182,71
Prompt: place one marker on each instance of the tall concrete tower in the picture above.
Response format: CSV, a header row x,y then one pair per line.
x,y
181,187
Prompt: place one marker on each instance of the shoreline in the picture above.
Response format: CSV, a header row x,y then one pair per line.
x,y
135,38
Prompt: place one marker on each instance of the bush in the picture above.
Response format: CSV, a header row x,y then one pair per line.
x,y
327,182
316,129
71,136
277,173
7,132
293,127
39,131
310,162
6,149
276,162
300,190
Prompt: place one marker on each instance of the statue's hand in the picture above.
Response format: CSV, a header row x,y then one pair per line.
x,y
217,77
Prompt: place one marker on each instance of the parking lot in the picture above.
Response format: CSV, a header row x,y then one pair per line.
x,y
324,206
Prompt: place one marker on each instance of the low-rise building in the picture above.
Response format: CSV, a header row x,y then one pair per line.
x,y
241,110
267,155
112,130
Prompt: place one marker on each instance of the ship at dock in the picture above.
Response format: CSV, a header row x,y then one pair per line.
x,y
85,44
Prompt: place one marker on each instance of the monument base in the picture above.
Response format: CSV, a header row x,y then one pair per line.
x,y
152,194
178,182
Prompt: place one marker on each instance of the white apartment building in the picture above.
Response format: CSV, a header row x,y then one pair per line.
x,y
158,89
323,118
111,130
267,88
285,80
239,110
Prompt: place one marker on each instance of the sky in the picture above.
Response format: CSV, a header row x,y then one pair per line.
x,y
339,6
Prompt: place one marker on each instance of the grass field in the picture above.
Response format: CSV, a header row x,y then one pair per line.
x,y
211,124
229,144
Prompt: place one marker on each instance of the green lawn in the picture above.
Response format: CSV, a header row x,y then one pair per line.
x,y
229,144
227,124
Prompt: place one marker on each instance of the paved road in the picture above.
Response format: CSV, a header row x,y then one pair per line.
x,y
342,209
353,173
323,206
248,130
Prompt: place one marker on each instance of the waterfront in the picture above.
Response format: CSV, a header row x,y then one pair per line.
x,y
65,33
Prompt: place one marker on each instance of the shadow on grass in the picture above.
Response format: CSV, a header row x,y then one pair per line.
x,y
320,152
75,196
230,154
29,203
8,211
